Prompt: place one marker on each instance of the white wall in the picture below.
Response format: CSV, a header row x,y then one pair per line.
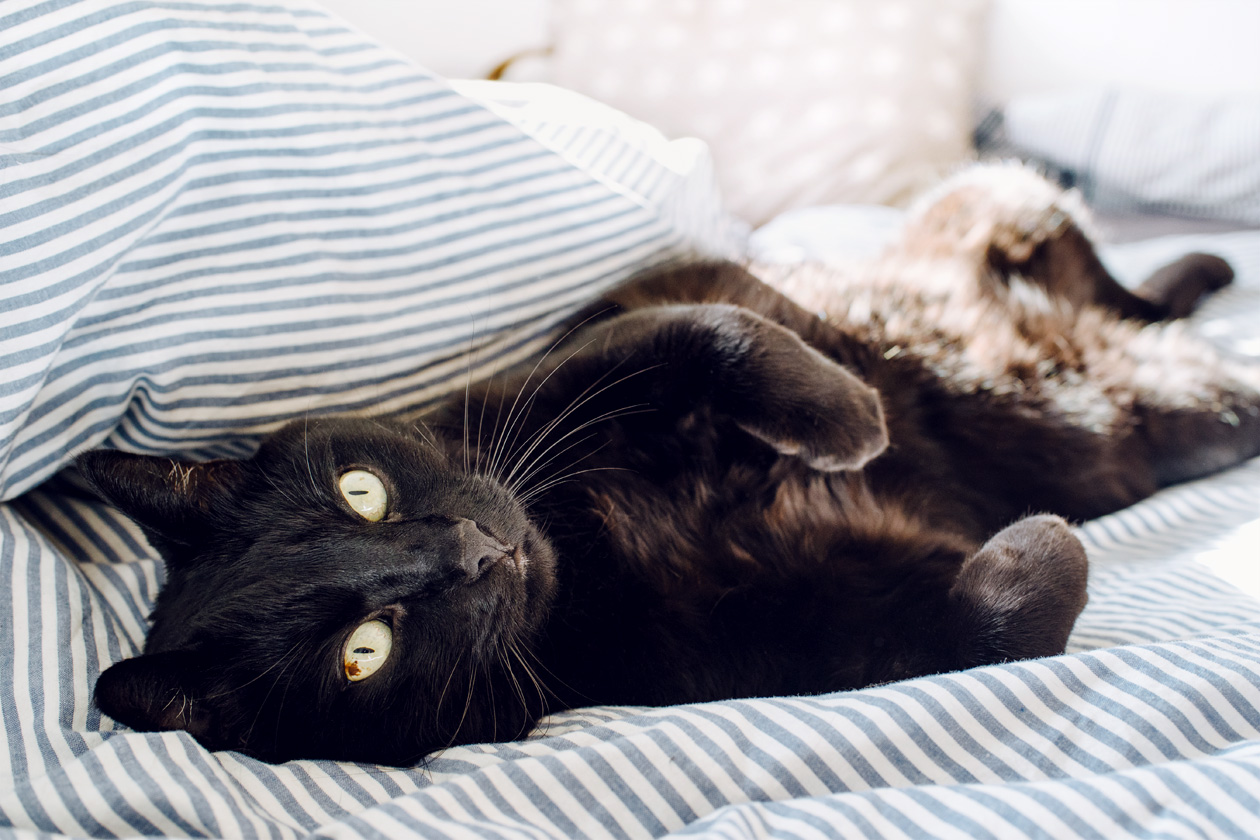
x,y
1194,46
456,38
1188,46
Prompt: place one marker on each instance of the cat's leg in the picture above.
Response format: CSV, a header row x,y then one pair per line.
x,y
1015,596
660,362
1178,287
1192,435
1019,595
753,371
1015,226
1067,266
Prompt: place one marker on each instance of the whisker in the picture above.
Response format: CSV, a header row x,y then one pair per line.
x,y
551,424
539,687
306,447
543,666
281,663
494,710
467,389
506,665
552,483
481,421
426,436
472,680
294,500
525,383
534,466
509,450
580,400
494,443
474,348
441,697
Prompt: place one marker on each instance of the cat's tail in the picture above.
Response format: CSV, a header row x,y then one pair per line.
x,y
1019,595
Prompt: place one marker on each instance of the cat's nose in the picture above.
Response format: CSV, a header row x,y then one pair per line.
x,y
478,550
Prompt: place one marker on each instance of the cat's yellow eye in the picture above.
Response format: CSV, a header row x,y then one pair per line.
x,y
365,493
367,649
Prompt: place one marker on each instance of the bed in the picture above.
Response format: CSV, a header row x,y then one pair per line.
x,y
219,216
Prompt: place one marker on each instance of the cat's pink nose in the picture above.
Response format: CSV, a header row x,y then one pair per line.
x,y
478,550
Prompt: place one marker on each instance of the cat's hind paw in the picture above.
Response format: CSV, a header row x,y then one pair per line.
x,y
1020,594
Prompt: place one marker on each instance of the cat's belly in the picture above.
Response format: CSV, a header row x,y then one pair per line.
x,y
799,583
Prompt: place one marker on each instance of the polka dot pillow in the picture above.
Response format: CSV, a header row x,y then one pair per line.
x,y
803,102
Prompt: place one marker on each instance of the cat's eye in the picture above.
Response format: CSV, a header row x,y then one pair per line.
x,y
365,493
367,649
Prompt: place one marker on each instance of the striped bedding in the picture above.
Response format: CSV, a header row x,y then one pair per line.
x,y
215,216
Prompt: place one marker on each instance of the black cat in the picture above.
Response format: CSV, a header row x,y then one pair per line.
x,y
705,491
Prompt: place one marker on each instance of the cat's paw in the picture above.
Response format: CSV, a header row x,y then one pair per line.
x,y
1181,285
843,430
811,408
1020,594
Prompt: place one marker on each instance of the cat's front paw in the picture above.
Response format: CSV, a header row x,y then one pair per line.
x,y
810,407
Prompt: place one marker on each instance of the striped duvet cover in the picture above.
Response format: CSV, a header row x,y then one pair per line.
x,y
215,216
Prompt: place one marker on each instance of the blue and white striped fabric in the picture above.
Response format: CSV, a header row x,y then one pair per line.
x,y
216,216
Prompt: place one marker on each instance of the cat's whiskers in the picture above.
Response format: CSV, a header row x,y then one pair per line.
x,y
551,425
472,681
504,452
535,467
294,500
494,707
426,436
527,651
520,482
539,687
525,409
492,450
467,396
552,483
306,448
281,663
506,665
580,400
442,697
481,421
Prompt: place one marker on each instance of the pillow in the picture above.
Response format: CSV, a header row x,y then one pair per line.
x,y
625,153
1131,151
802,101
217,217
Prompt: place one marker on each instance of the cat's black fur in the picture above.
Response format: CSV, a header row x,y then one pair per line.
x,y
705,491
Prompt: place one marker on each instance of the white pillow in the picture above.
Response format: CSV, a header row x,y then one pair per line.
x,y
802,101
1133,151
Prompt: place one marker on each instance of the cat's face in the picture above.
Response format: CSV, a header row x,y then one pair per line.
x,y
349,592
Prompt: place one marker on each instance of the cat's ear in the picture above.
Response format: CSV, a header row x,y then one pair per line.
x,y
168,498
156,692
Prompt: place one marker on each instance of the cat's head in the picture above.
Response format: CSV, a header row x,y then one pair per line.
x,y
349,592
